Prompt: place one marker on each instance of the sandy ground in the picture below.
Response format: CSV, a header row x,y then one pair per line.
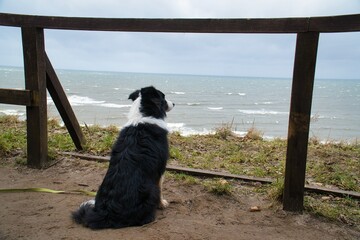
x,y
193,213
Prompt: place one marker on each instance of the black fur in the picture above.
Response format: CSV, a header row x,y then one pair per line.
x,y
153,103
130,194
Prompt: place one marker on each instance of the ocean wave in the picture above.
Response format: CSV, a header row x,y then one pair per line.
x,y
262,112
215,108
12,112
178,93
49,101
193,104
76,100
240,94
314,117
264,103
240,133
186,131
113,105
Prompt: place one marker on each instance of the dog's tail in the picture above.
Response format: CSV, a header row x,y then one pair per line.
x,y
88,217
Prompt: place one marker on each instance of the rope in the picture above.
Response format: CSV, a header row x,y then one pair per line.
x,y
46,190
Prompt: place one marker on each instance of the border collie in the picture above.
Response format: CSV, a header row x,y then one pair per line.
x,y
131,190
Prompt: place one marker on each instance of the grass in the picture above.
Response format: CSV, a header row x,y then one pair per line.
x,y
12,135
233,154
218,186
332,164
344,210
100,139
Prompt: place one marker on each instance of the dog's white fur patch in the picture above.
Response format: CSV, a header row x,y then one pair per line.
x,y
170,105
135,117
90,202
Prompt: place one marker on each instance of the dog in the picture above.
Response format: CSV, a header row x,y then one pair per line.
x,y
131,189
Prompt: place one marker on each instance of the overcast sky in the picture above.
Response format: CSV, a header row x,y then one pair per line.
x,y
206,54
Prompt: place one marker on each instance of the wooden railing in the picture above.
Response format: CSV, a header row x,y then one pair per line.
x,y
40,75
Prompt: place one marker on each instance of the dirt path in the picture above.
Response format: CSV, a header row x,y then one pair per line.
x,y
193,213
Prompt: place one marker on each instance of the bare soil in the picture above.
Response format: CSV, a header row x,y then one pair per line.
x,y
193,213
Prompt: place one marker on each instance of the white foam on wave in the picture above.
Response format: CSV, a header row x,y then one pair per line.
x,y
12,112
315,117
262,112
264,103
49,101
215,108
176,125
76,100
240,94
186,131
178,93
239,133
193,104
114,105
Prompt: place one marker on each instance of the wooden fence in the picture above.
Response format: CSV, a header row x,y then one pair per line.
x,y
40,75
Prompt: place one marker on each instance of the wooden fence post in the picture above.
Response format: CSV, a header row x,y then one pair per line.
x,y
299,120
35,81
62,104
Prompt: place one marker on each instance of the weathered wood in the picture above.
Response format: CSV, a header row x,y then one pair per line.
x,y
17,97
334,192
87,156
207,173
299,120
35,80
347,23
190,171
62,104
276,25
212,174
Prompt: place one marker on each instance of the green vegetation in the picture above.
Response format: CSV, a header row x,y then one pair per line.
x,y
345,210
99,139
332,164
12,135
218,186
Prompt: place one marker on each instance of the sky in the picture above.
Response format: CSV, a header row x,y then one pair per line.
x,y
255,55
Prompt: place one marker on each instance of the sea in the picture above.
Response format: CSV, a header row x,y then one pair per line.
x,y
204,103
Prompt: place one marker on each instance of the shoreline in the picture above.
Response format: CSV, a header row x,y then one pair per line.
x,y
206,103
185,131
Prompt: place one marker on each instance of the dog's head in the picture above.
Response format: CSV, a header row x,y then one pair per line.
x,y
150,102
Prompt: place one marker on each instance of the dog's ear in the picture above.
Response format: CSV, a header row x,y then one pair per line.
x,y
134,95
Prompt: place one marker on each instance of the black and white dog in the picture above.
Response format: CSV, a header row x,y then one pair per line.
x,y
131,190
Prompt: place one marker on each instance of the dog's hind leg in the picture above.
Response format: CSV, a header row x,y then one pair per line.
x,y
163,203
